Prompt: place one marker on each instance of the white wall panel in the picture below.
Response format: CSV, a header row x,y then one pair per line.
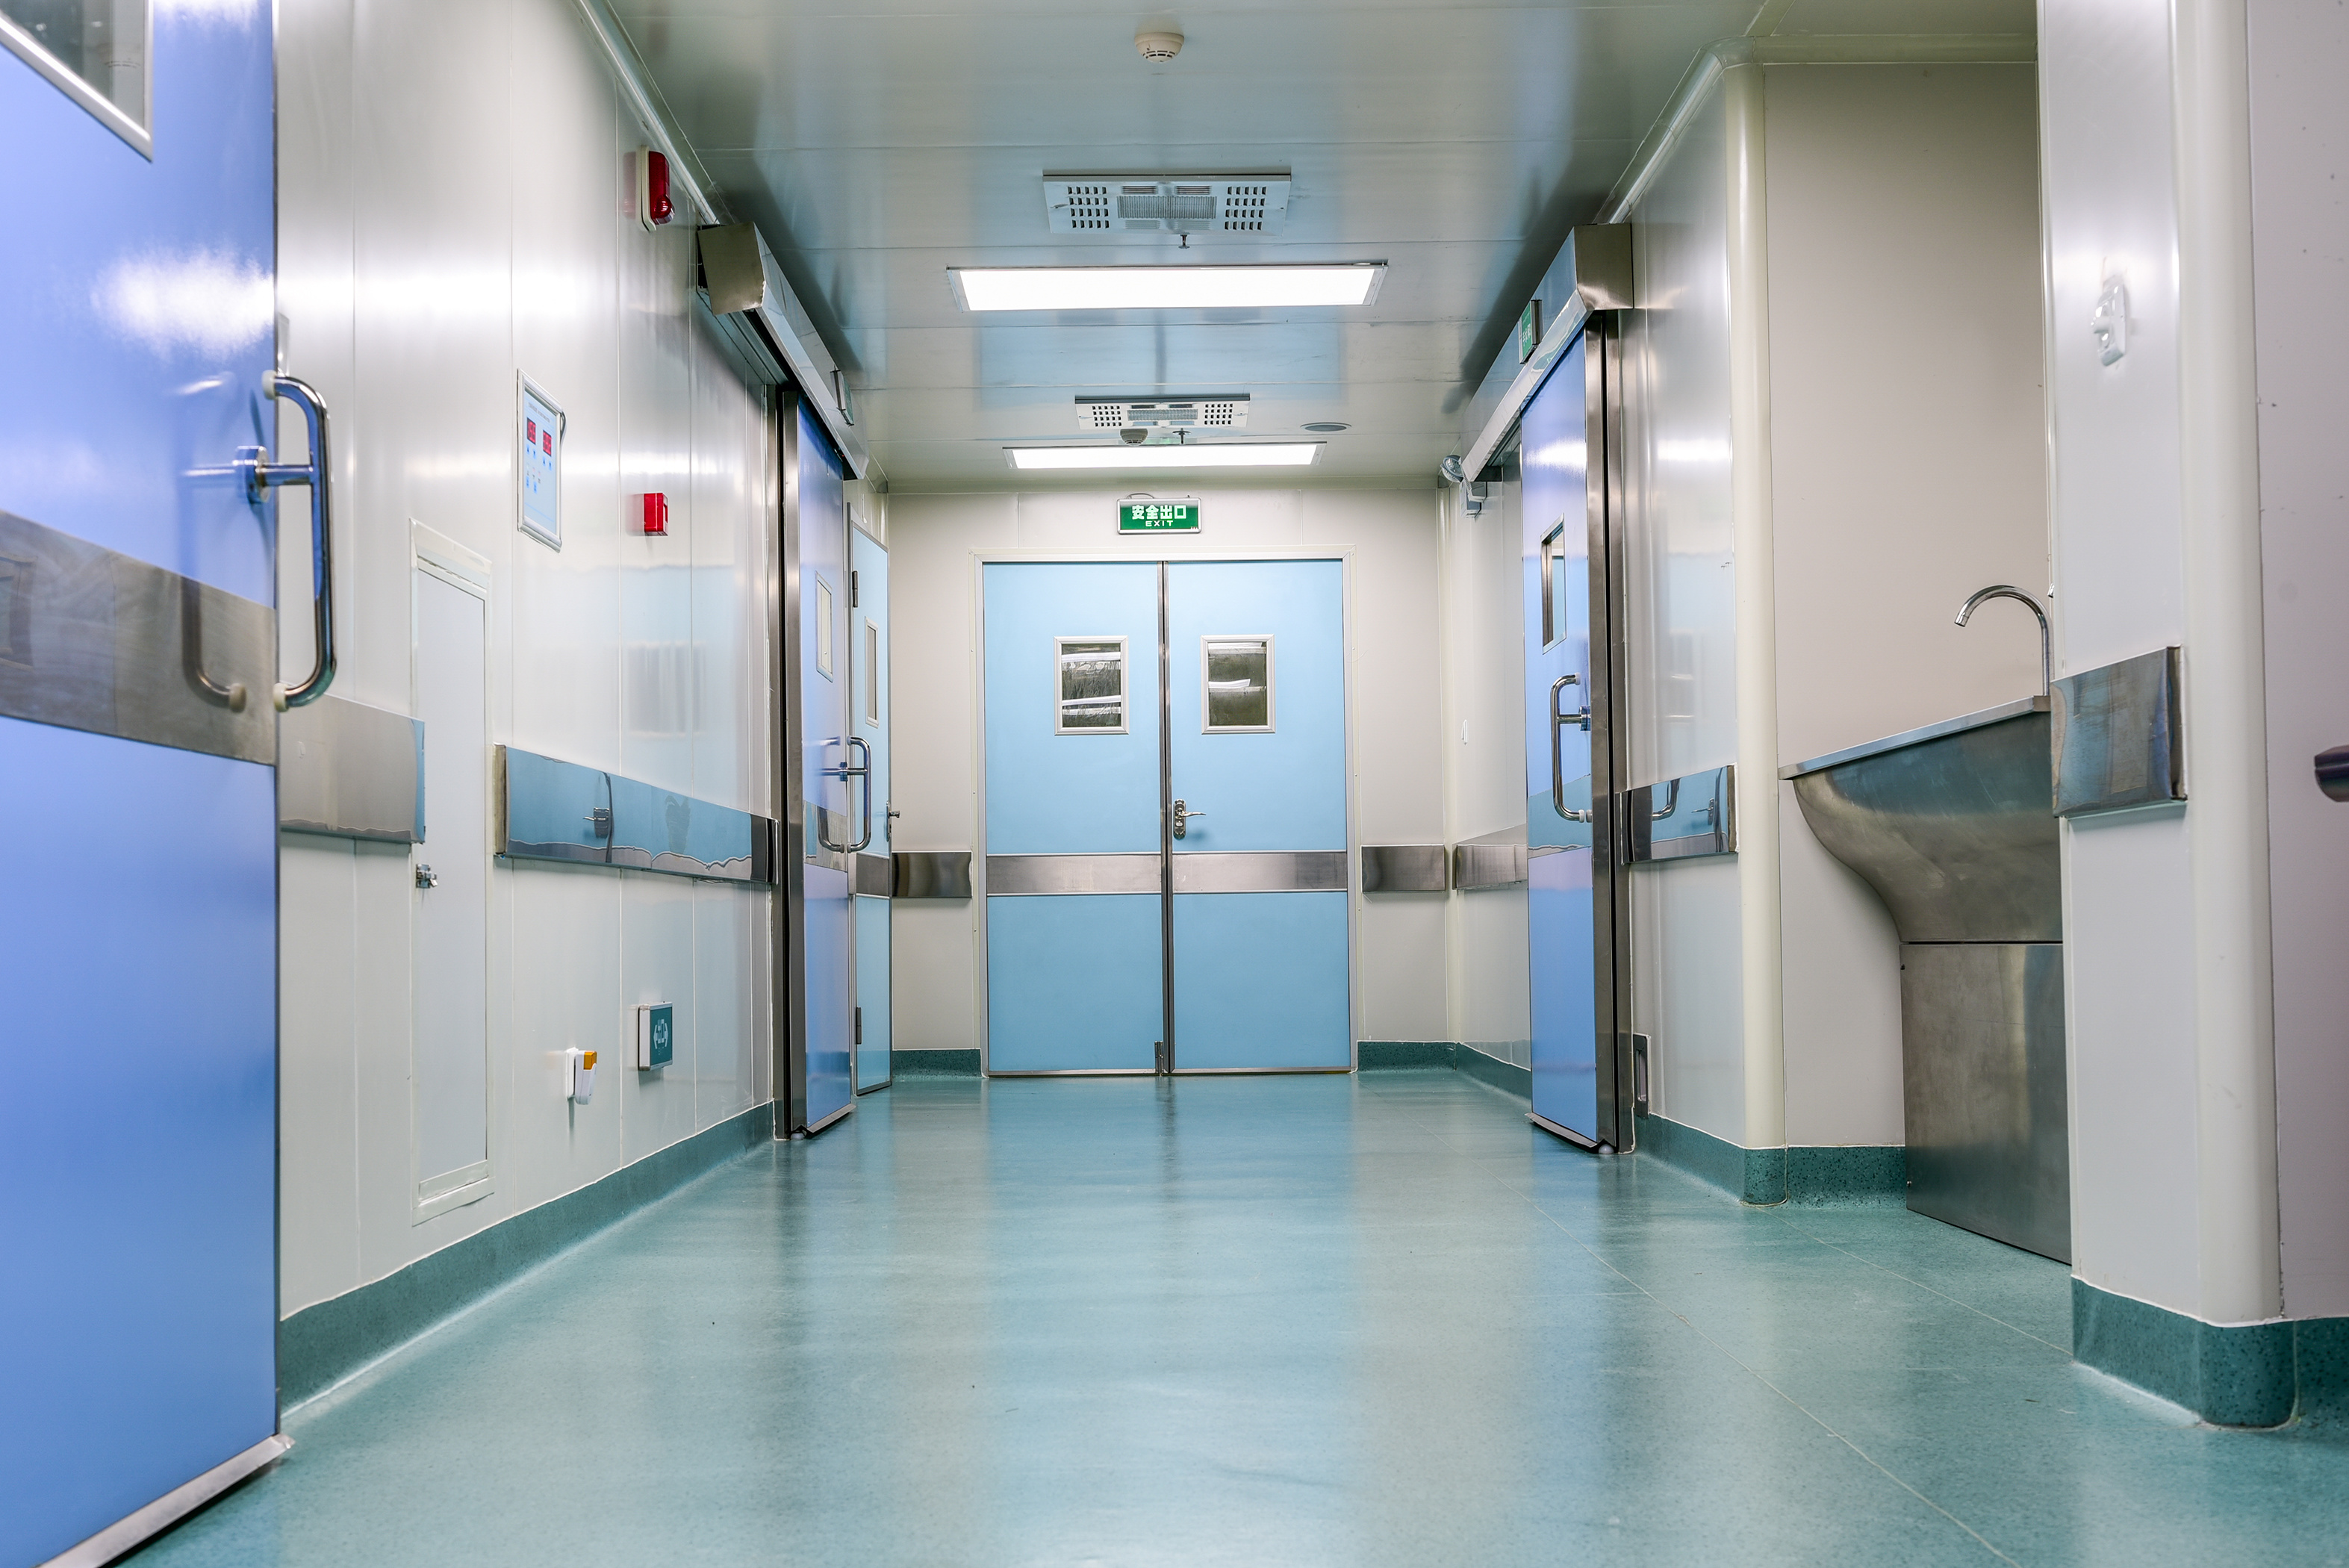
x,y
2133,1071
1908,466
2299,135
447,218
1842,995
658,939
2111,211
1689,992
1680,620
317,964
1907,438
729,1000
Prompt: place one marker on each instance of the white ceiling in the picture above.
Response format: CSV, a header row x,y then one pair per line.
x,y
875,145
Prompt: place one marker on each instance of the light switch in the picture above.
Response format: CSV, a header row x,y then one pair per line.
x,y
2109,325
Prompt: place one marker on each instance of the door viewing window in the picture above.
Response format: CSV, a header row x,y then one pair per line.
x,y
1090,699
1553,586
1238,675
95,51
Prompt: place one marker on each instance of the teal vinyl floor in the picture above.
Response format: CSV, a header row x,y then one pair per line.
x,y
1258,1321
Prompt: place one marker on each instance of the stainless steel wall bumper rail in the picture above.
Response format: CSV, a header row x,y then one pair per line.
x,y
552,811
2115,733
932,873
351,771
1478,866
1405,868
1681,818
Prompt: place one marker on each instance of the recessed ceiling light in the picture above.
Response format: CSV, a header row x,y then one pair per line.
x,y
1326,426
1165,288
1253,455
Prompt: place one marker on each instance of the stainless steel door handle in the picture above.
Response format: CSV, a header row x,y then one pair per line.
x,y
1183,815
863,771
850,771
1557,721
2333,772
259,476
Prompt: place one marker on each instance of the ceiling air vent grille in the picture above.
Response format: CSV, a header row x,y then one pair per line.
x,y
1198,204
1218,412
1088,209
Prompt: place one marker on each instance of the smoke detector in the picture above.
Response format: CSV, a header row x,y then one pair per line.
x,y
1220,411
1167,203
1158,47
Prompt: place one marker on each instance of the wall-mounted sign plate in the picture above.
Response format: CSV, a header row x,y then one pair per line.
x,y
655,1035
1158,517
1528,330
538,426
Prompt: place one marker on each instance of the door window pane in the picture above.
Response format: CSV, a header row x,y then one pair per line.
x,y
1239,673
824,628
871,673
1090,698
96,50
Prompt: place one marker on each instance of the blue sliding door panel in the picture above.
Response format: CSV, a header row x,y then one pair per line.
x,y
1561,934
833,810
138,1130
873,992
1560,908
1073,983
1261,981
1087,793
824,642
828,911
1282,790
138,914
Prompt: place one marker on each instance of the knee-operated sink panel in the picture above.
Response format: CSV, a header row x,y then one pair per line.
x,y
1954,825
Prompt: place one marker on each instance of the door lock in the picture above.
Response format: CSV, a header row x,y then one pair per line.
x,y
427,877
1183,815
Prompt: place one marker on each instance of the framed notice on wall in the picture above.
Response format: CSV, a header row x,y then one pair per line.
x,y
538,426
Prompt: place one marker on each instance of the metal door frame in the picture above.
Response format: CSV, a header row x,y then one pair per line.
x,y
1611,740
855,718
1163,559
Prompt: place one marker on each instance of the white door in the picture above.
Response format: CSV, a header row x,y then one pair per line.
x,y
450,1060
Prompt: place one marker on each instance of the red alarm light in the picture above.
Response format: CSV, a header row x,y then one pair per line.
x,y
654,207
656,512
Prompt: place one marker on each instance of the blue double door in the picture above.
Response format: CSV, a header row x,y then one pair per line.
x,y
1167,855
138,787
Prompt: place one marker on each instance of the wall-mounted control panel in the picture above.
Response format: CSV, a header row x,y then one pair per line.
x,y
655,1036
579,1069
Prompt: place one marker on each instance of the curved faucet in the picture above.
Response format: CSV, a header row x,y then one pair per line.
x,y
2046,646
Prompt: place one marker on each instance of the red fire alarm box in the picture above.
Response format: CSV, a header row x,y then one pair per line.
x,y
654,207
656,512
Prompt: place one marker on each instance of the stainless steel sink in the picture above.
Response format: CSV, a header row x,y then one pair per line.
x,y
1954,825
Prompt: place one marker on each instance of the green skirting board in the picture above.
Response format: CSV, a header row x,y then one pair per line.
x,y
2230,1374
321,1344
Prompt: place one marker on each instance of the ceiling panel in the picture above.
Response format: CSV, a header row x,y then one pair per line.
x,y
876,145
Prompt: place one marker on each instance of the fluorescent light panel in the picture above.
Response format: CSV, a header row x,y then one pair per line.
x,y
1254,455
1165,288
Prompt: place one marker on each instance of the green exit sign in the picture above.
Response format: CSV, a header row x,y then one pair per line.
x,y
1158,517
